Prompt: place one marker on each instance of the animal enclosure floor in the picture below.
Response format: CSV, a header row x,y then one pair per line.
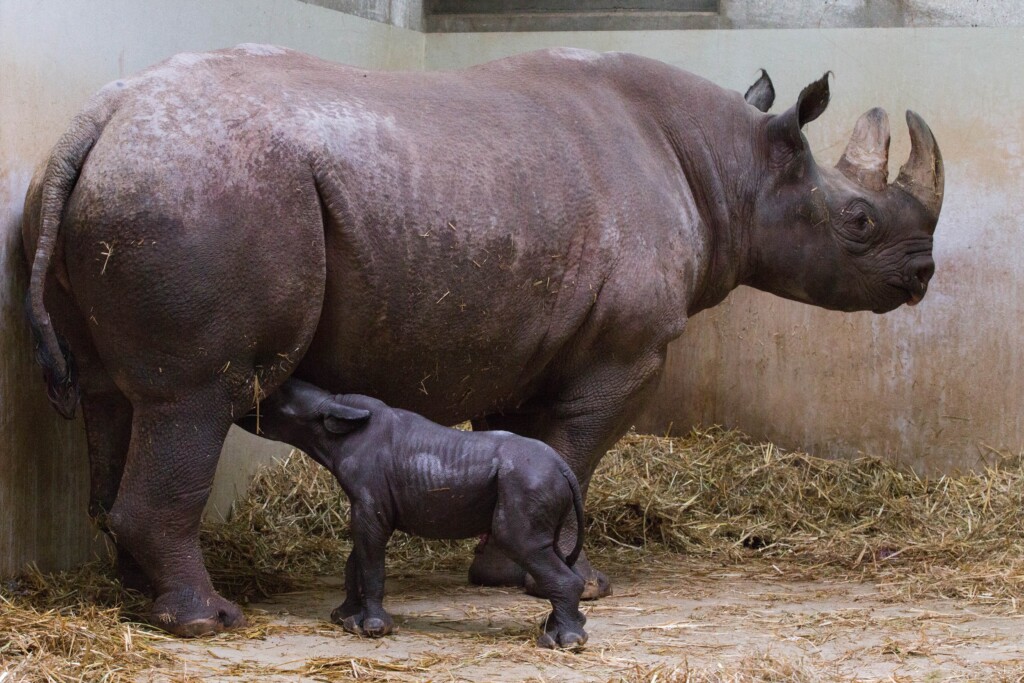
x,y
684,619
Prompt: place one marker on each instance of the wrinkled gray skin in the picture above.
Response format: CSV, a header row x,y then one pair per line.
x,y
515,243
402,471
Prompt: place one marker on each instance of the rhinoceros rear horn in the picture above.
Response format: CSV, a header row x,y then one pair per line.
x,y
922,177
866,159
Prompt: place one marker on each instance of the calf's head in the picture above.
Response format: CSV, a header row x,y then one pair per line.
x,y
843,238
306,417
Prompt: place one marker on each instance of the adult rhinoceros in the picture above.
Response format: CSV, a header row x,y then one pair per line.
x,y
516,243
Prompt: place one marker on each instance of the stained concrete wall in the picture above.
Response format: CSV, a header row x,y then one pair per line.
x,y
937,385
53,55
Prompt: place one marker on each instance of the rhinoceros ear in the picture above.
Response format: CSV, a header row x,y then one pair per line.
x,y
813,100
761,95
342,419
784,130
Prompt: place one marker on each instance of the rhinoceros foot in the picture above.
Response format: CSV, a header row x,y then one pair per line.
x,y
189,614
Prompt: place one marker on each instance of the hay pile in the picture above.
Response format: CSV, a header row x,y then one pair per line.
x,y
716,492
73,626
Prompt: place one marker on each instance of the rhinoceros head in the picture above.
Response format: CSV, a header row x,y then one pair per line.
x,y
844,238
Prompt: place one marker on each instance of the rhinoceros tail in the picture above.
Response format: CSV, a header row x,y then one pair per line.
x,y
577,503
59,178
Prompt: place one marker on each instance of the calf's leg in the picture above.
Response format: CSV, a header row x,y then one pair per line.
x,y
370,534
353,603
582,421
526,534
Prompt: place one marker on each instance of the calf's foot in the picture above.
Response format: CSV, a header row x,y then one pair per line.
x,y
564,634
188,613
371,625
349,608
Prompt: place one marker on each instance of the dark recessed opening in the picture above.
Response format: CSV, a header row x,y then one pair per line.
x,y
568,15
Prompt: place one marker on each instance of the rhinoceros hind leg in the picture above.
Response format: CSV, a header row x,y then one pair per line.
x,y
171,461
491,567
108,430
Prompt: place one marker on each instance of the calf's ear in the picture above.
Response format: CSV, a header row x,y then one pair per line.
x,y
342,419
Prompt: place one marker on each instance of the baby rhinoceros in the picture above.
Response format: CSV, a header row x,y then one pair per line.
x,y
402,471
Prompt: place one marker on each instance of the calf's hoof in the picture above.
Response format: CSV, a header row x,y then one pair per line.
x,y
566,639
189,614
360,625
344,611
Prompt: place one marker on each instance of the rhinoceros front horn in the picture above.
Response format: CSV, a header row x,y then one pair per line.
x,y
922,177
866,159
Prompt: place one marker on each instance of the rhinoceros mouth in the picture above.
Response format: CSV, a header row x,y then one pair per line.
x,y
900,294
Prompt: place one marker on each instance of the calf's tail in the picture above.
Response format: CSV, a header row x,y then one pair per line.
x,y
577,503
59,178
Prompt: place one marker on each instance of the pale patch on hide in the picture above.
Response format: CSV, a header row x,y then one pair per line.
x,y
260,49
577,54
432,471
342,125
181,63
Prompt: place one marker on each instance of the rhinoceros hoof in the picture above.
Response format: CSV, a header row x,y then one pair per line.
x,y
596,586
188,614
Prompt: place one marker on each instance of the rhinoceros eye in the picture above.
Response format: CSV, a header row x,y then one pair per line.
x,y
859,223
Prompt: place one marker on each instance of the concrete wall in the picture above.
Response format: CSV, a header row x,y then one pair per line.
x,y
935,385
53,55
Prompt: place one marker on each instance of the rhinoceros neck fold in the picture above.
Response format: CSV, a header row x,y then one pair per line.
x,y
713,145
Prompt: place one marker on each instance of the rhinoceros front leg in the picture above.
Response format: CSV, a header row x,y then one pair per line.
x,y
585,418
171,461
